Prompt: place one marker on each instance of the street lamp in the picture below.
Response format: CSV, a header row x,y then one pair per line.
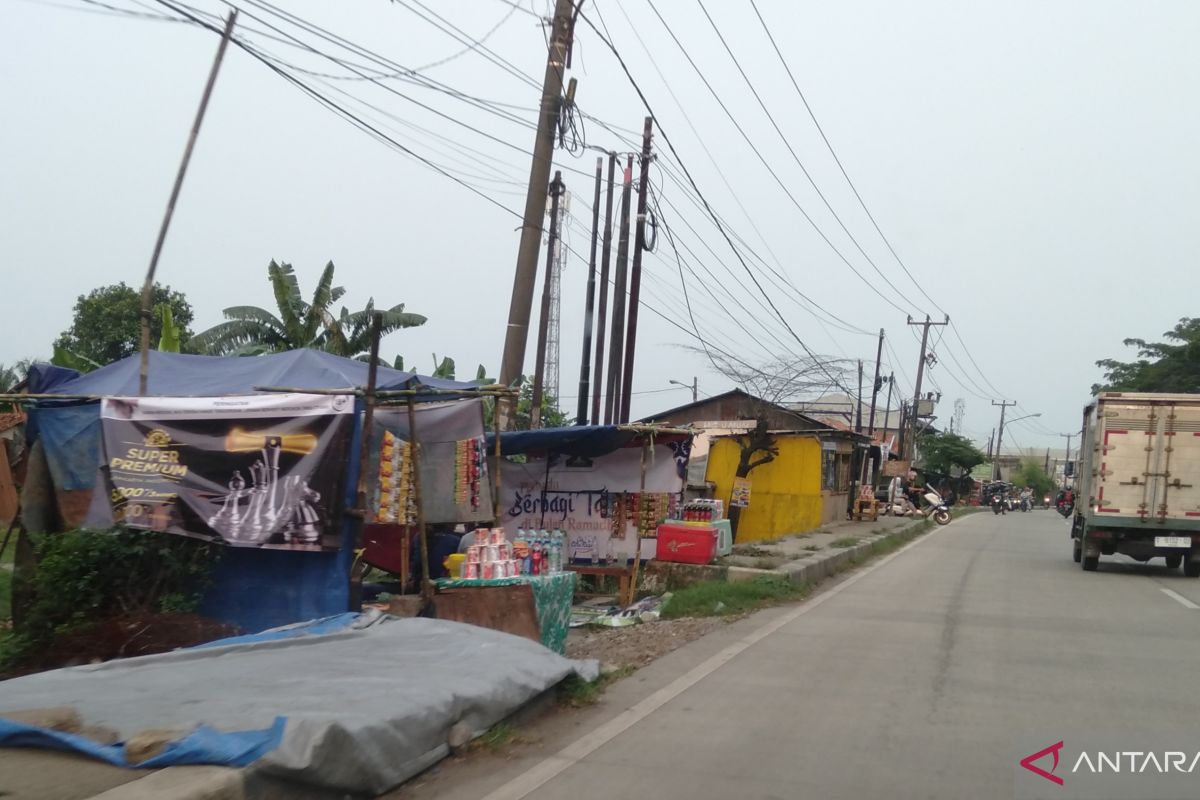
x,y
694,386
1000,436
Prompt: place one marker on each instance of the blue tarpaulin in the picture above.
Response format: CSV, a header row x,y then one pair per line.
x,y
203,745
585,441
254,589
182,375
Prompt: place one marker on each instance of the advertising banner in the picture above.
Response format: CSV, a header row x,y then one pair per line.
x,y
455,484
595,501
252,471
741,493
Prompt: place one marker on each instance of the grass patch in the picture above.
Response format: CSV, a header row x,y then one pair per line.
x,y
845,541
5,596
751,551
575,692
813,548
772,562
499,737
718,598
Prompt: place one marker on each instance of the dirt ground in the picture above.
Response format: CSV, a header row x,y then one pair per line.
x,y
125,637
638,645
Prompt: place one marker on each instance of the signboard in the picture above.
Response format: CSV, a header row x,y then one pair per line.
x,y
893,469
740,496
452,454
592,499
254,471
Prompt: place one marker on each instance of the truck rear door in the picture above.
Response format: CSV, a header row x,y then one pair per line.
x,y
1180,485
1129,449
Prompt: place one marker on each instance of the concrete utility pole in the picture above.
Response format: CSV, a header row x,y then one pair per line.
x,y
635,275
517,334
999,437
616,345
694,386
916,406
585,367
1067,460
605,260
876,386
539,370
148,286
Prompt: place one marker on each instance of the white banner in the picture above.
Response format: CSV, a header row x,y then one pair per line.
x,y
579,495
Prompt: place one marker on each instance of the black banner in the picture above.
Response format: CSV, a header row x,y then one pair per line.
x,y
253,471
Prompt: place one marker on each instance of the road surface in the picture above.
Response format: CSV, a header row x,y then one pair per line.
x,y
927,675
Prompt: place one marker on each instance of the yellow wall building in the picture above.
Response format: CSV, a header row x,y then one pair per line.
x,y
802,489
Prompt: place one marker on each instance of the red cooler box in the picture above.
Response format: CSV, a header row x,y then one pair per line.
x,y
686,544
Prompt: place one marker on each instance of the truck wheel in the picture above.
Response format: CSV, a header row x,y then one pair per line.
x,y
1090,563
1173,562
1077,551
1191,569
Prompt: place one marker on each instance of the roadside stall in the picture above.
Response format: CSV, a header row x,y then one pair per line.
x,y
209,454
601,490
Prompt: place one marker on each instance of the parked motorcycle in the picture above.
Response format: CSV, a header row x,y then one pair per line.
x,y
937,507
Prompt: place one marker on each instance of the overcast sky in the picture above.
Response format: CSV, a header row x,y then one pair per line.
x,y
1034,164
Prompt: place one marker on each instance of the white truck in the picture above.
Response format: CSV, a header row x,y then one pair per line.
x,y
1138,483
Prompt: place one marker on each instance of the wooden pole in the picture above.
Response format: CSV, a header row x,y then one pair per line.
x,y
496,478
637,548
148,286
364,464
426,584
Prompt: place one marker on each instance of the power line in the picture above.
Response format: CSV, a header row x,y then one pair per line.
x,y
708,207
773,173
829,145
795,157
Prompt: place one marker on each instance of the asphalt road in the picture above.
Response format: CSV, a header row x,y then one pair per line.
x,y
927,675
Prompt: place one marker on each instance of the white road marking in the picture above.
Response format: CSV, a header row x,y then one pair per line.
x,y
537,776
1183,601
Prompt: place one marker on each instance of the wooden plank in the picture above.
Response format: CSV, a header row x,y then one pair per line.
x,y
501,608
8,488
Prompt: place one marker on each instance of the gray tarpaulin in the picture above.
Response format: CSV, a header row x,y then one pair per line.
x,y
365,709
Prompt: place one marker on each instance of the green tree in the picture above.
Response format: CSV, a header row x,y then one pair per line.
x,y
1032,473
1170,366
949,454
250,330
107,325
12,374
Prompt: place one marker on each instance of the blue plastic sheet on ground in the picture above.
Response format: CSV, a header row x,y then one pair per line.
x,y
204,745
315,627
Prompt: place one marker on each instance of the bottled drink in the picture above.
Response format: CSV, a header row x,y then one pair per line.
x,y
536,560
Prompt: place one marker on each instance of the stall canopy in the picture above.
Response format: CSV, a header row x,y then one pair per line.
x,y
177,374
255,589
584,441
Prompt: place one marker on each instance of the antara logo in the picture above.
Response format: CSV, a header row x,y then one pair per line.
x,y
1052,750
1120,761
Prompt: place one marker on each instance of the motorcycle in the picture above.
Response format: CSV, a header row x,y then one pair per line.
x,y
1010,503
997,504
937,507
1026,503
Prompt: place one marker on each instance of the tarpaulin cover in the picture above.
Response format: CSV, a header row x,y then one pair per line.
x,y
585,441
252,589
364,709
180,374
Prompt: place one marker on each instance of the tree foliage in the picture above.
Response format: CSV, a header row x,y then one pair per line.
x,y
949,453
1170,366
297,323
12,374
1032,473
107,325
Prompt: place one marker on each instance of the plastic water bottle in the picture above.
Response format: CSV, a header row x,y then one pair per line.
x,y
560,544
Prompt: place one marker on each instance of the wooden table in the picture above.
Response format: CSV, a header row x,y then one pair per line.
x,y
624,576
863,507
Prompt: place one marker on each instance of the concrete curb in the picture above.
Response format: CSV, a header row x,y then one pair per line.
x,y
663,576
